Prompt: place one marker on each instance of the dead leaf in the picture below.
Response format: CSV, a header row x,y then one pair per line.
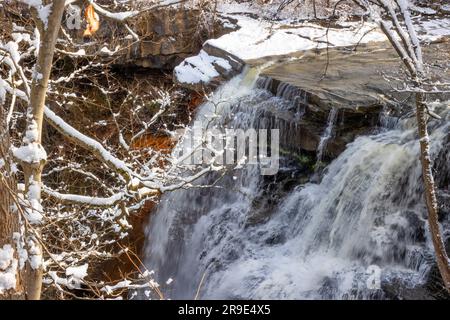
x,y
93,21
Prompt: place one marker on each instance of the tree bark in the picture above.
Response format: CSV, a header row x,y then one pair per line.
x,y
414,64
33,171
9,220
314,8
430,193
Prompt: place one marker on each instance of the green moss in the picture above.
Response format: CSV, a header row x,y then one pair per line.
x,y
318,165
303,159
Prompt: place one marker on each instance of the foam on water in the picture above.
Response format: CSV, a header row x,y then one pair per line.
x,y
320,239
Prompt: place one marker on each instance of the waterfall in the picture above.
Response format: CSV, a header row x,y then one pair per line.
x,y
315,241
327,134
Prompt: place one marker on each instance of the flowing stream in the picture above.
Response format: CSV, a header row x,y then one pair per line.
x,y
354,234
327,134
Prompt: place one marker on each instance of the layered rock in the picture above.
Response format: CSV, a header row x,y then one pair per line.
x,y
166,37
171,35
354,85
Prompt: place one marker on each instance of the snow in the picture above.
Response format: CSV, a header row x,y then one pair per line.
x,y
93,201
75,276
119,16
258,39
8,268
37,75
32,134
34,208
7,281
78,273
422,10
124,223
30,153
34,255
91,143
56,279
6,256
122,284
108,52
200,68
164,99
79,53
11,59
432,30
32,3
43,10
13,50
14,168
404,8
36,41
122,15
44,13
19,37
3,85
21,251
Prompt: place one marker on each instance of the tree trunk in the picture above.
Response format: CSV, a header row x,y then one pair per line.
x,y
314,9
33,171
415,68
430,194
9,220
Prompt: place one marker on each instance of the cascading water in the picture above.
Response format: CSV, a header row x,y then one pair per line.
x,y
319,240
327,133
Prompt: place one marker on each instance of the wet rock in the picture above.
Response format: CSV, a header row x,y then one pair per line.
x,y
442,167
236,63
171,35
314,114
435,286
294,171
276,238
208,69
351,82
396,289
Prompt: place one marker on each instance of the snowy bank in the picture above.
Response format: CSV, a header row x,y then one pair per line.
x,y
257,39
433,29
200,68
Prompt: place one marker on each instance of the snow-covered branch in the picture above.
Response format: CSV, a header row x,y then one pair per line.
x,y
89,144
85,200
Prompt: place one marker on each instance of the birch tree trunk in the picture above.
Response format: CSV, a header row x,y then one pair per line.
x,y
32,171
410,52
430,193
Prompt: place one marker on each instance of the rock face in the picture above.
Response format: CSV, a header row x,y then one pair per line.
x,y
312,119
336,106
166,37
355,86
340,94
208,69
170,35
351,98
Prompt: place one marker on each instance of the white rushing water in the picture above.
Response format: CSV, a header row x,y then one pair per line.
x,y
321,240
327,134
